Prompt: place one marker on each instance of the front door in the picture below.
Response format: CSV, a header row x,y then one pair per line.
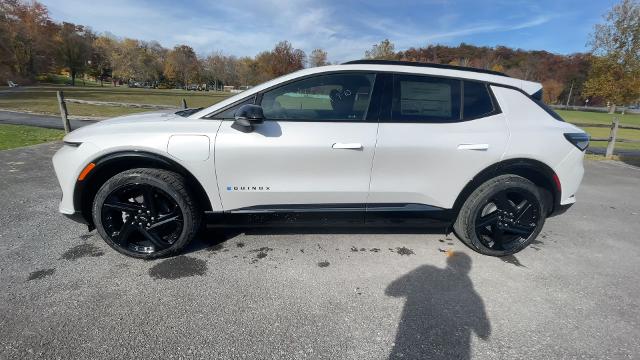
x,y
312,153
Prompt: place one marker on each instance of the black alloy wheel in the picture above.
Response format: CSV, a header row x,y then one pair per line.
x,y
141,218
501,216
146,213
507,219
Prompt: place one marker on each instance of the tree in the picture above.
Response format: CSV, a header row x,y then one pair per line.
x,y
385,50
99,66
248,71
317,58
221,69
284,59
552,91
182,65
615,70
74,47
26,37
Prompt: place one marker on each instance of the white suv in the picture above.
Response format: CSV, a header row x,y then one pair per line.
x,y
371,143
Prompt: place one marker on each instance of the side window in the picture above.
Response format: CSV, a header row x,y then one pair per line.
x,y
477,100
229,113
425,99
332,97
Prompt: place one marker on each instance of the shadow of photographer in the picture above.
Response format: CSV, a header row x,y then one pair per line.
x,y
441,312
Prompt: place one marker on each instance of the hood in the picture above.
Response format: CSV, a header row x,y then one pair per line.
x,y
156,115
146,120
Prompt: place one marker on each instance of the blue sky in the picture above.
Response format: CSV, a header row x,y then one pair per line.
x,y
345,29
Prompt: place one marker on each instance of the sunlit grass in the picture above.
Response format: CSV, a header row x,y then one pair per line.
x,y
13,136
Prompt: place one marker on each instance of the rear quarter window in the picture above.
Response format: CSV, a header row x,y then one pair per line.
x,y
477,100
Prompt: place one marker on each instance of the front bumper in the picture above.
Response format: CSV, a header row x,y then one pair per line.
x,y
68,162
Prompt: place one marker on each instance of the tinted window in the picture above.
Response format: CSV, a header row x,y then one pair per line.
x,y
229,113
477,101
426,99
332,97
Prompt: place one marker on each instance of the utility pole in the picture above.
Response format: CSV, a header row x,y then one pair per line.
x,y
569,98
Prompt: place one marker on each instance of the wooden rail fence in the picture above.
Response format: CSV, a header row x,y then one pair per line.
x,y
613,134
64,113
611,140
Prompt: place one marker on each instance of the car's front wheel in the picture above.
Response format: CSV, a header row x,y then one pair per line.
x,y
146,213
502,216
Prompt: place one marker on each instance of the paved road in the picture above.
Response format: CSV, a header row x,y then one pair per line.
x,y
45,121
319,295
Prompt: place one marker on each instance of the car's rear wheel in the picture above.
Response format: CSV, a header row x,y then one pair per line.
x,y
502,216
146,213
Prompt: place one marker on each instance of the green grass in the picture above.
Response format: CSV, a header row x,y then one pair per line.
x,y
597,117
42,99
587,117
13,136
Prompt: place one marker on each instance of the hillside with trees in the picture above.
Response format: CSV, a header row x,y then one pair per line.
x,y
33,45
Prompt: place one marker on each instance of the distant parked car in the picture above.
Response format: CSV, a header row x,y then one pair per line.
x,y
195,87
370,143
12,84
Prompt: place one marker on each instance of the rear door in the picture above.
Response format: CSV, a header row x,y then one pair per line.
x,y
312,153
435,135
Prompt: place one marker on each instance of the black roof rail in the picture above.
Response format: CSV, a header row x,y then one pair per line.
x,y
421,64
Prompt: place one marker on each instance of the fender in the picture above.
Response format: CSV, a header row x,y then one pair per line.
x,y
536,171
111,164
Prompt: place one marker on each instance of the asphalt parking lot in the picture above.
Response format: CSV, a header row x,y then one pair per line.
x,y
322,294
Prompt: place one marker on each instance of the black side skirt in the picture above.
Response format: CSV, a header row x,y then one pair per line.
x,y
409,215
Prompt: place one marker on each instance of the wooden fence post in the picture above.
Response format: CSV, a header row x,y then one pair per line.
x,y
63,112
612,138
184,103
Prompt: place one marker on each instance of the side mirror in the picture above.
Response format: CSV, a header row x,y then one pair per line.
x,y
247,116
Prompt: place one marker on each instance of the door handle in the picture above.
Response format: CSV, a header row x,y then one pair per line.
x,y
482,147
354,146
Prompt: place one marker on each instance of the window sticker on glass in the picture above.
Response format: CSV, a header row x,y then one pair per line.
x,y
424,98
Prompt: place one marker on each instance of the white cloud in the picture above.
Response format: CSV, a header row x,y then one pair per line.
x,y
245,28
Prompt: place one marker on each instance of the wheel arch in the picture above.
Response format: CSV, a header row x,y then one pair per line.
x,y
111,164
536,171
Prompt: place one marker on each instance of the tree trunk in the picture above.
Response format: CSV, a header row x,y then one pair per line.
x,y
73,78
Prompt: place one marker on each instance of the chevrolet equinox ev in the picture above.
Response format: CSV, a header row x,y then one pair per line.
x,y
366,143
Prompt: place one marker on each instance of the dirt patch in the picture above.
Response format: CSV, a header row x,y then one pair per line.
x,y
82,250
178,267
39,274
404,251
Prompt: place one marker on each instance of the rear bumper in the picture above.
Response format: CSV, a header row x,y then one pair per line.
x,y
570,172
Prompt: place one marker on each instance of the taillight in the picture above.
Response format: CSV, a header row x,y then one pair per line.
x,y
580,140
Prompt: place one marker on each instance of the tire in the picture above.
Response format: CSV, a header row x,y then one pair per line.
x,y
146,213
502,216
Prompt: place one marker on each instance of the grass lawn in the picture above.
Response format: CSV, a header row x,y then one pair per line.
x,y
43,99
597,118
13,136
587,117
